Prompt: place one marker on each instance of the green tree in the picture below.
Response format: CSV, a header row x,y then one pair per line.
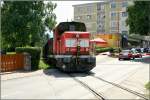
x,y
24,22
139,18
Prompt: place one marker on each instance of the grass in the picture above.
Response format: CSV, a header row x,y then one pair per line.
x,y
11,52
147,86
42,65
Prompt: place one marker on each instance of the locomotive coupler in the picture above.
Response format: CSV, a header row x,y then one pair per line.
x,y
78,54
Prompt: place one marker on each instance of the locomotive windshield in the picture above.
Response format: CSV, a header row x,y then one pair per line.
x,y
70,26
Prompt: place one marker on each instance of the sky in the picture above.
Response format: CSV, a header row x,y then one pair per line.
x,y
64,10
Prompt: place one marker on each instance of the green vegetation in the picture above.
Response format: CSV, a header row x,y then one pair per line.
x,y
139,19
42,65
24,23
35,55
100,49
117,50
11,53
147,86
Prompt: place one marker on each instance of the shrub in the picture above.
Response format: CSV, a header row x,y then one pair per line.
x,y
117,50
147,85
43,65
99,50
34,53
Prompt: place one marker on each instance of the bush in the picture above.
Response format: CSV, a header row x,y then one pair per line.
x,y
99,50
43,65
147,86
117,50
35,55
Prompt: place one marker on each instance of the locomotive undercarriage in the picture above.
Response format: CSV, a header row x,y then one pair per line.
x,y
73,63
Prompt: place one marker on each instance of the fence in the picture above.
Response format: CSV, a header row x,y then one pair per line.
x,y
11,62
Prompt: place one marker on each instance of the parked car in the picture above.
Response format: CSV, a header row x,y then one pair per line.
x,y
138,50
126,54
142,50
149,50
136,54
146,50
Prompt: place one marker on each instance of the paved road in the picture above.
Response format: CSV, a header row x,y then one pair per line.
x,y
52,84
130,74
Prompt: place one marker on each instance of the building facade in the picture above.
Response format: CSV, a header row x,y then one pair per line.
x,y
117,15
103,17
92,14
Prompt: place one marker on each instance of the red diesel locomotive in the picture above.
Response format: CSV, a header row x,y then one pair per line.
x,y
69,49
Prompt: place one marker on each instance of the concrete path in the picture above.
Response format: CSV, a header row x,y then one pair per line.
x,y
53,84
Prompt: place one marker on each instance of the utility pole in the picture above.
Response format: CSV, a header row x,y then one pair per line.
x,y
118,15
118,20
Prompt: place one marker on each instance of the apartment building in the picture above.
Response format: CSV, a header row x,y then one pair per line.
x,y
117,15
92,14
103,17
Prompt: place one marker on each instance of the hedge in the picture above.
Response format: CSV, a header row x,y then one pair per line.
x,y
110,49
99,50
35,55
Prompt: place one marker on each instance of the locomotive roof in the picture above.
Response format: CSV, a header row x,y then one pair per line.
x,y
70,26
75,32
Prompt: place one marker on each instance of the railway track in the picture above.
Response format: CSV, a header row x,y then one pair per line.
x,y
99,95
121,87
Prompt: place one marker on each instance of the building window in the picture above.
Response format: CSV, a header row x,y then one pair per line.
x,y
78,18
114,26
98,6
113,14
114,29
113,5
124,4
89,9
80,10
124,32
124,14
88,16
123,23
102,7
114,23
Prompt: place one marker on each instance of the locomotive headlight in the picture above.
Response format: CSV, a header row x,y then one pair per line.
x,y
77,35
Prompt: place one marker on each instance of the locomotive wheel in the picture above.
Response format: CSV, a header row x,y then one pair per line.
x,y
53,62
59,64
68,67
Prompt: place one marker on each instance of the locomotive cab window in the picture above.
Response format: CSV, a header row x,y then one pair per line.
x,y
70,43
71,28
84,42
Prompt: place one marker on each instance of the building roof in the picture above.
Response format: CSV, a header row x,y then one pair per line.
x,y
90,3
99,40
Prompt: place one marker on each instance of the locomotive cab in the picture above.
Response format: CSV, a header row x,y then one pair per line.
x,y
71,48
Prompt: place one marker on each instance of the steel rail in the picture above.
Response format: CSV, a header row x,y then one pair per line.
x,y
98,95
122,87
